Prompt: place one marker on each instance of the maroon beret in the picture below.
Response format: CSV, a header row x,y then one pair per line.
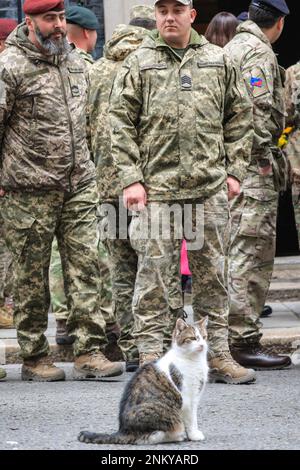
x,y
37,7
6,27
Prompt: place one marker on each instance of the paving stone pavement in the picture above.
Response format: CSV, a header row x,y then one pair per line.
x,y
263,415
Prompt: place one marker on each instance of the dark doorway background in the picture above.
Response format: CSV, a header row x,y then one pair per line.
x,y
288,54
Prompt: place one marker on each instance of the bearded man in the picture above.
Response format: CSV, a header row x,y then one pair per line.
x,y
50,190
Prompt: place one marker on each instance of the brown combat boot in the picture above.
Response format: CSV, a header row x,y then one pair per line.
x,y
2,373
6,317
41,370
95,365
62,337
224,369
145,358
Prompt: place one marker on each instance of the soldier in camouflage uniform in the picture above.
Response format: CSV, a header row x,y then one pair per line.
x,y
254,212
292,150
122,258
81,24
50,190
7,25
78,18
178,107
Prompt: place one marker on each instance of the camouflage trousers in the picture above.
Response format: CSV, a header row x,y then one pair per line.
x,y
57,289
6,280
123,262
32,220
159,260
251,257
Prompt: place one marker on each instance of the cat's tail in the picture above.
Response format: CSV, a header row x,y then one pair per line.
x,y
116,438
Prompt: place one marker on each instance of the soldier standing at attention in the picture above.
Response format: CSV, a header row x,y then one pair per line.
x,y
181,130
292,149
122,258
82,25
7,25
254,211
50,190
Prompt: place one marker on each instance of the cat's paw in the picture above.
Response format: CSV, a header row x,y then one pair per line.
x,y
181,437
84,436
196,435
157,437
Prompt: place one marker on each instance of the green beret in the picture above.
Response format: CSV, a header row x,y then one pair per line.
x,y
82,16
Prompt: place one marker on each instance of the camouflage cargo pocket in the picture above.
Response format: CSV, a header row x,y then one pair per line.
x,y
138,233
17,224
257,223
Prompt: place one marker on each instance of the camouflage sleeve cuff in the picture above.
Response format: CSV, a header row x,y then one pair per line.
x,y
237,174
128,180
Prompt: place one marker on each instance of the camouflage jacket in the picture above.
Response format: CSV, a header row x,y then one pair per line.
x,y
42,118
180,127
253,53
85,56
292,100
125,40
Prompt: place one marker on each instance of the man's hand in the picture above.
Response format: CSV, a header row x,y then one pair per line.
x,y
135,197
234,187
2,192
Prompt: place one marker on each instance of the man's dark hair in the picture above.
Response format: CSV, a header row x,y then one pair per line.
x,y
263,18
145,23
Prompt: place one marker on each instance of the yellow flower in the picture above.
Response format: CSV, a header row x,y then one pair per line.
x,y
283,140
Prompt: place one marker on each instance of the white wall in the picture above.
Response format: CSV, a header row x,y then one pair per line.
x,y
117,11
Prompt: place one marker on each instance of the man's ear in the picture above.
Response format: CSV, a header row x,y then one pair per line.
x,y
280,23
29,23
193,15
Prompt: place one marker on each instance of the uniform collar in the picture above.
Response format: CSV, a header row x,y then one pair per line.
x,y
195,39
252,28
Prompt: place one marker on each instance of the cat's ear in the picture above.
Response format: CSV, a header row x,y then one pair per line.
x,y
181,325
202,323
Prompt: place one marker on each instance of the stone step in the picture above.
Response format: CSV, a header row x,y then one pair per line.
x,y
285,282
275,340
10,350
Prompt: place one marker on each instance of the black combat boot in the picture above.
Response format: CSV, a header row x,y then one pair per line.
x,y
267,311
62,337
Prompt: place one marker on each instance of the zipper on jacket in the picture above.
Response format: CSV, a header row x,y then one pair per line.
x,y
70,126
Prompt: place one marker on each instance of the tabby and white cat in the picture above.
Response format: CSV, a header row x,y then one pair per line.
x,y
160,402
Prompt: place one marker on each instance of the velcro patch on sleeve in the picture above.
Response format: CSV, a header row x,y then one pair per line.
x,y
257,82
